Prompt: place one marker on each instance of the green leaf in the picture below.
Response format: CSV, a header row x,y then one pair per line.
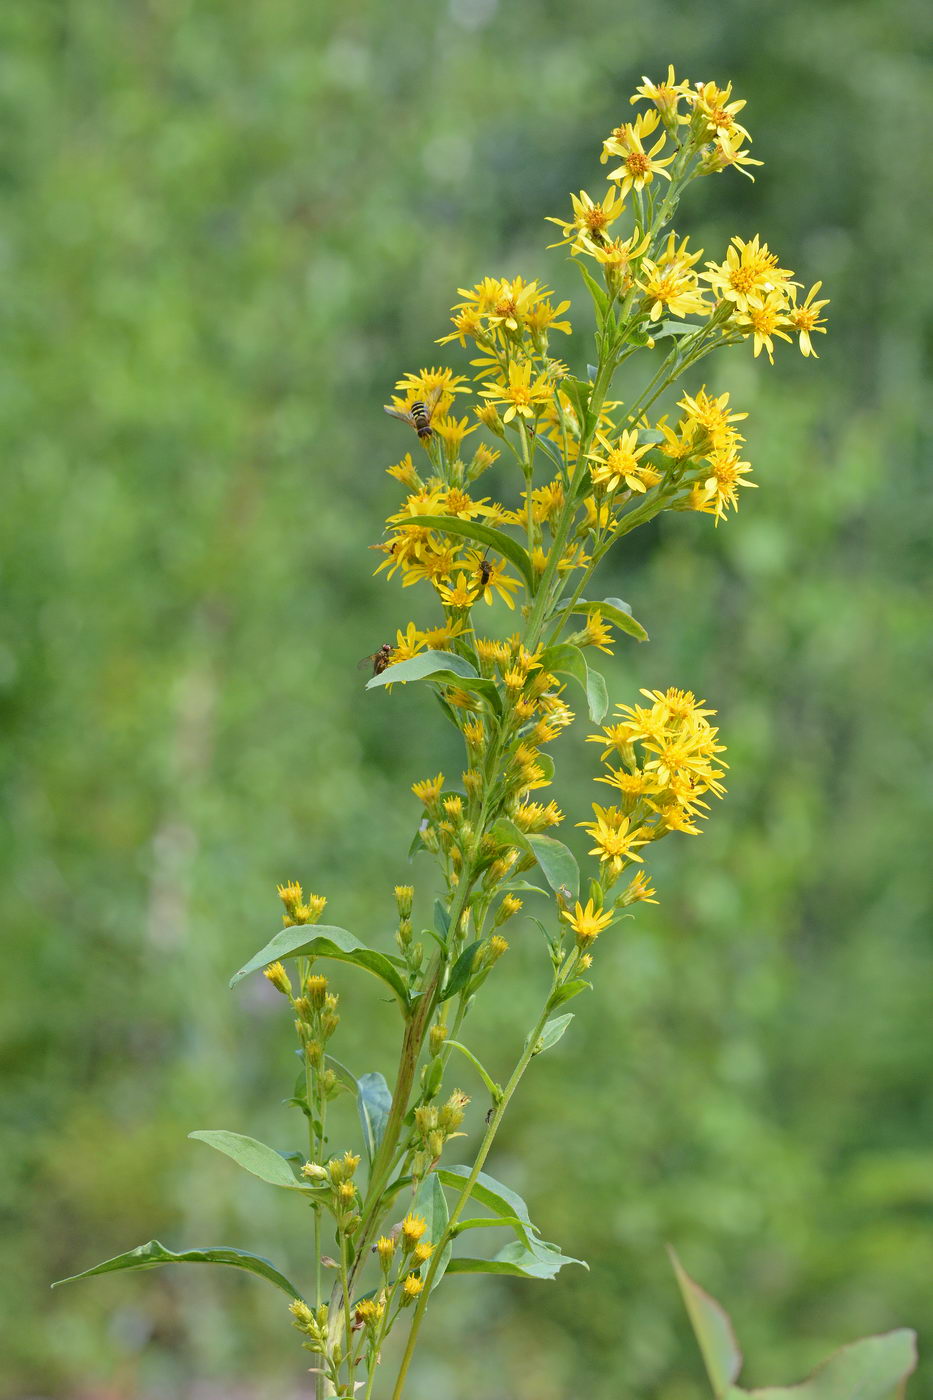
x,y
500,1199
441,919
325,941
486,1222
544,1261
552,1032
254,1157
149,1256
875,1368
617,612
557,864
568,991
598,293
713,1331
426,663
522,887
444,668
570,661
597,695
578,392
484,534
673,328
345,1077
431,1203
374,1101
461,972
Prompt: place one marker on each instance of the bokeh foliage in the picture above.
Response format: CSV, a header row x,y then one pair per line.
x,y
226,231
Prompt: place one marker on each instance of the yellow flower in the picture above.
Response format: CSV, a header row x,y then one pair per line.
x,y
721,154
632,784
460,503
408,643
639,166
621,463
460,594
452,430
428,382
534,816
665,95
597,633
616,255
712,416
412,1228
715,113
749,273
588,219
615,738
806,319
404,471
615,840
279,978
671,284
543,318
546,501
439,638
587,923
412,1286
765,318
369,1310
429,790
718,492
489,578
639,891
522,395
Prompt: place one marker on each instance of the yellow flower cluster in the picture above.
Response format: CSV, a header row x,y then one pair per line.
x,y
663,760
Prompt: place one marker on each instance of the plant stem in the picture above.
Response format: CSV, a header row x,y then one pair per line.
x,y
482,1154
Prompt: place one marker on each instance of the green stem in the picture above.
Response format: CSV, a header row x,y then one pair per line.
x,y
482,1154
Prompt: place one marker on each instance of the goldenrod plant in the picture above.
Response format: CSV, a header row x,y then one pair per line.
x,y
584,460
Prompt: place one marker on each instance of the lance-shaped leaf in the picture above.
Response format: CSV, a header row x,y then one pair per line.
x,y
461,971
599,294
443,668
254,1157
374,1101
484,534
570,661
673,328
712,1329
325,941
529,1256
544,1261
149,1256
552,1032
557,863
875,1368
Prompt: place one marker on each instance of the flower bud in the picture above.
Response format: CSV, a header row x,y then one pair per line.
x,y
385,1248
450,1116
315,989
425,1118
277,975
436,1037
404,894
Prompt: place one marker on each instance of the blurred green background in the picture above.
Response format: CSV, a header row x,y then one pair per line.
x,y
227,229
